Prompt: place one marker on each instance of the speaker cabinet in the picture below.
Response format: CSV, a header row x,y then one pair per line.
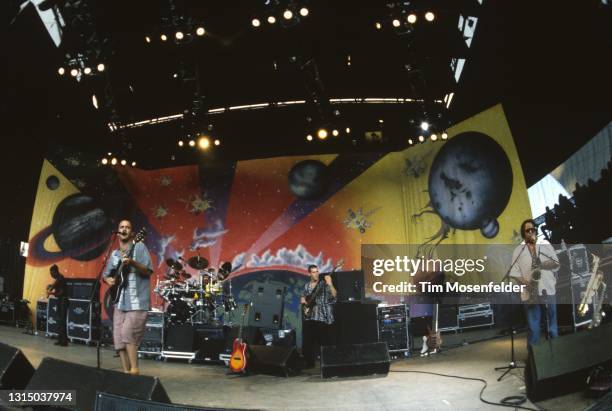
x,y
281,361
180,338
268,304
15,369
55,374
354,360
561,365
356,323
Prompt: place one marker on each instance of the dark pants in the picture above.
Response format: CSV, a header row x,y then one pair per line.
x,y
535,314
62,308
315,334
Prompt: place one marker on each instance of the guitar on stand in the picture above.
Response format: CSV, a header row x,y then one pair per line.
x,y
432,342
238,359
594,294
311,299
121,272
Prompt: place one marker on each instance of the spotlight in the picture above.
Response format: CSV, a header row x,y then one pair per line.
x,y
191,143
217,142
105,161
133,164
288,14
335,133
61,71
114,161
378,25
271,19
147,39
380,121
322,133
410,141
429,16
110,154
424,126
255,23
179,35
421,139
200,31
434,137
163,37
87,70
348,130
396,23
74,72
101,67
204,143
123,162
412,18
94,101
309,137
304,12
444,136
180,143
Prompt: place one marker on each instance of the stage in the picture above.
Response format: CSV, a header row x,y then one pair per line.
x,y
209,385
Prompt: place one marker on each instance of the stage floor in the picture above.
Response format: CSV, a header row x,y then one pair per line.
x,y
208,385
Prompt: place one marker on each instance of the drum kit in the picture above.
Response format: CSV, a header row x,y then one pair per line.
x,y
202,298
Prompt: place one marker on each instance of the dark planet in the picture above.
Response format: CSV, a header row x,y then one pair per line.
x,y
52,183
470,183
79,224
308,179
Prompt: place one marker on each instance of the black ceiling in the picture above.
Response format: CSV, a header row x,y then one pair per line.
x,y
545,61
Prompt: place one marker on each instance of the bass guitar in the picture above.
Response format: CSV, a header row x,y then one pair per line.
x,y
311,299
121,272
238,360
432,342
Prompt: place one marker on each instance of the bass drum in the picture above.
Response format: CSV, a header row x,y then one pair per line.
x,y
179,311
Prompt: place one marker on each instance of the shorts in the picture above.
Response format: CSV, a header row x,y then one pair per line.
x,y
128,327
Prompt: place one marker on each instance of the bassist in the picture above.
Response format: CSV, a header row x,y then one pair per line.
x,y
318,319
131,259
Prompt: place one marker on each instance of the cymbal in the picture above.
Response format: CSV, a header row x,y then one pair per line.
x,y
186,275
175,265
197,262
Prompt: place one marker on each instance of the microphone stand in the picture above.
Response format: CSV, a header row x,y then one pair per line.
x,y
512,365
98,306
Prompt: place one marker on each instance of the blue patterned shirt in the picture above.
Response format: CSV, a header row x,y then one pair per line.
x,y
322,310
136,295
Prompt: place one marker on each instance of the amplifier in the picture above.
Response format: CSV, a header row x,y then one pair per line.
x,y
209,342
81,288
81,321
278,338
475,315
393,327
448,317
41,316
153,339
7,312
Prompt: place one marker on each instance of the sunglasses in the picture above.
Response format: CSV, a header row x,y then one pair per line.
x,y
531,230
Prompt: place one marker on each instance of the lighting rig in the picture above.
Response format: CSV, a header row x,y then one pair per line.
x,y
177,28
281,12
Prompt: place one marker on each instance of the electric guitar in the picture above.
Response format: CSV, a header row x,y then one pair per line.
x,y
432,342
238,359
121,272
311,299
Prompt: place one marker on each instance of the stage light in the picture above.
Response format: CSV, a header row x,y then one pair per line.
x,y
204,143
378,25
191,143
105,161
434,137
101,67
94,101
304,12
110,154
381,121
309,137
180,143
133,164
200,31
147,39
335,133
322,133
163,37
288,14
410,141
123,162
429,16
114,161
271,19
421,139
255,23
412,18
444,136
87,70
396,23
179,35
424,126
61,71
348,130
217,142
74,72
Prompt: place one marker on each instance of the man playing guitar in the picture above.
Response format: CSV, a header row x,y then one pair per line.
x,y
130,313
317,322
